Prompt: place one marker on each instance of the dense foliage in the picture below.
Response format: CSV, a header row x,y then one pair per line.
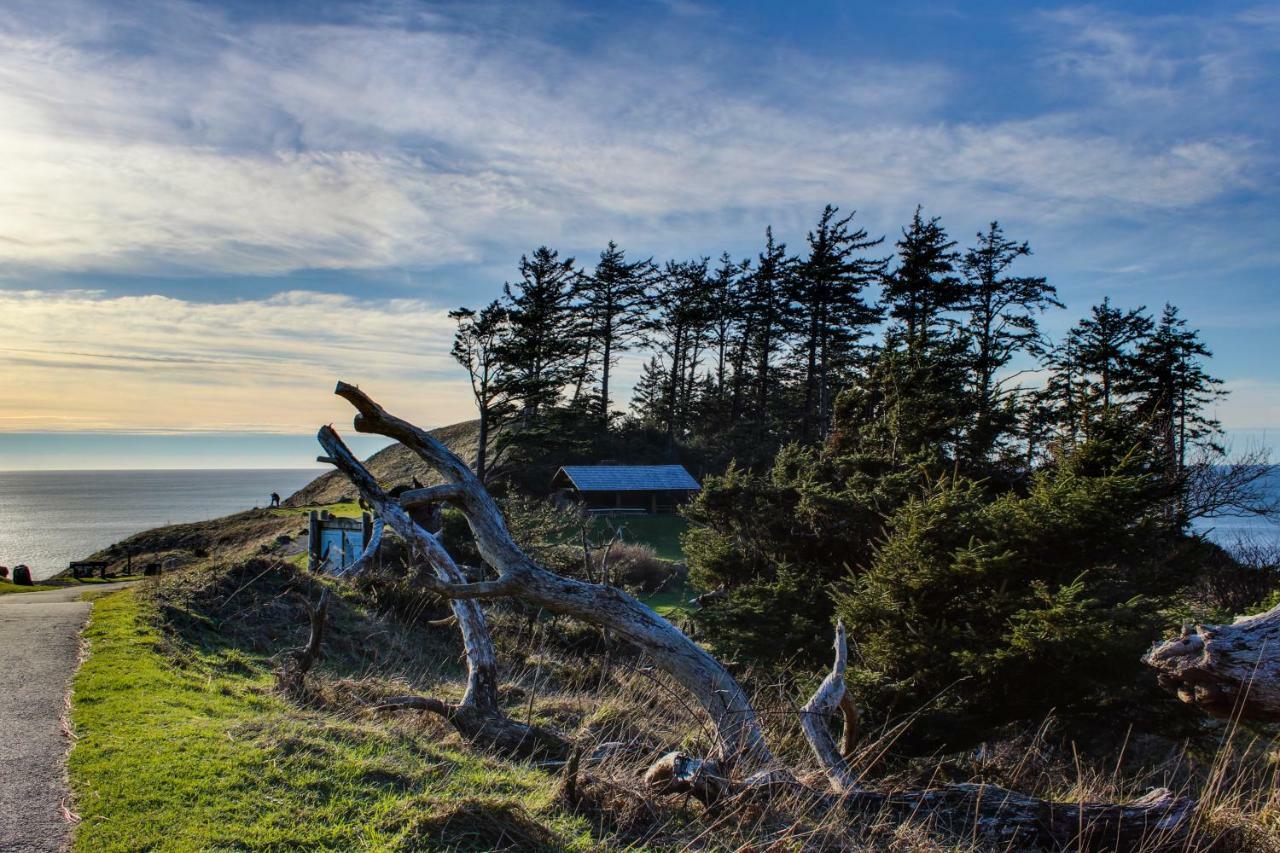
x,y
999,547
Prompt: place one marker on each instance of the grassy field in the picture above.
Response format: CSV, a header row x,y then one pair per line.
x,y
179,749
6,588
661,532
346,509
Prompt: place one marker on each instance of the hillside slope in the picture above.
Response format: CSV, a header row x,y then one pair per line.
x,y
392,466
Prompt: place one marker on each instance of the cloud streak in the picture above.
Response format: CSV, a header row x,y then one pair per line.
x,y
90,362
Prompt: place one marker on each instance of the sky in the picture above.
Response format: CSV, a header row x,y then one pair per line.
x,y
210,211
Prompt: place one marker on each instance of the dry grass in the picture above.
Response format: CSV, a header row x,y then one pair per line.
x,y
625,714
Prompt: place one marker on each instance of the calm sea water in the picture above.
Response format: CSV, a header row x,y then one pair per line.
x,y
48,518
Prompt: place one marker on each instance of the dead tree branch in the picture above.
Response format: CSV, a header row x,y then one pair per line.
x,y
478,717
734,720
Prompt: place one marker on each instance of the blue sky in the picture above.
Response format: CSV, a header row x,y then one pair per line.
x,y
213,210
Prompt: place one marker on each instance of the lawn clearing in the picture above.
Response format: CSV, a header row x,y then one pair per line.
x,y
179,749
660,532
7,588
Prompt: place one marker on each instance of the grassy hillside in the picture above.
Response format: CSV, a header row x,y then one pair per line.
x,y
392,466
187,747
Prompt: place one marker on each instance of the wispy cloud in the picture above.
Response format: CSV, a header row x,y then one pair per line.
x,y
184,140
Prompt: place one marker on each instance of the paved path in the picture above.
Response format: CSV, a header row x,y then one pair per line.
x,y
39,651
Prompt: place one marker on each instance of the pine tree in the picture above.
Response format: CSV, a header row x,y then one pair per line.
x,y
615,297
830,311
1172,389
545,338
1000,323
923,287
682,315
476,346
766,311
1104,349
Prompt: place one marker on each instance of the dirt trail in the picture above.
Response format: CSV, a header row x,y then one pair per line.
x,y
39,648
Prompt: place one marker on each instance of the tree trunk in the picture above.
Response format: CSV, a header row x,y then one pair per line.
x,y
1226,670
733,720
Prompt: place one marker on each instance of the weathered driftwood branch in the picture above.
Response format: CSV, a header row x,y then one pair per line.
x,y
1001,818
478,717
298,662
1013,821
1226,670
815,719
733,719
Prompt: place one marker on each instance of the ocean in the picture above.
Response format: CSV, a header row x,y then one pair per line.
x,y
49,518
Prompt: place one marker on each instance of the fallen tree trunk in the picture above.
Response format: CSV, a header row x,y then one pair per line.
x,y
733,719
478,717
1225,670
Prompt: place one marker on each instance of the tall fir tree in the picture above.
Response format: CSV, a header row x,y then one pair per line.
x,y
766,303
477,345
831,313
1172,390
923,288
1000,323
682,315
615,298
545,337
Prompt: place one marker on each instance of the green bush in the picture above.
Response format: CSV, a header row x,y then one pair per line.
x,y
978,611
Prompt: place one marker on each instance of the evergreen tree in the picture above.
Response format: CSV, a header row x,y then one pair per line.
x,y
615,297
476,346
681,318
544,339
1000,322
766,307
1104,346
923,287
1171,388
830,312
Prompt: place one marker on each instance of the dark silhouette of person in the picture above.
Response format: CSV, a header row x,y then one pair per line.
x,y
275,499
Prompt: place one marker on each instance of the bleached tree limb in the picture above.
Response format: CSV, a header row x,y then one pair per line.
x,y
1225,670
816,715
431,494
734,720
478,717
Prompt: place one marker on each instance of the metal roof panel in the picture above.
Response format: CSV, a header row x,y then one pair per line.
x,y
629,478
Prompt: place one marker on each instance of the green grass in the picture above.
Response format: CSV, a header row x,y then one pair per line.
x,y
672,602
179,749
661,532
6,588
347,509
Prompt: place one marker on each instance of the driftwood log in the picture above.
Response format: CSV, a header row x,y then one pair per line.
x,y
1225,670
478,717
298,662
733,719
741,765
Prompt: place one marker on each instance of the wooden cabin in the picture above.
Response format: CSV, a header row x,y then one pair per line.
x,y
606,489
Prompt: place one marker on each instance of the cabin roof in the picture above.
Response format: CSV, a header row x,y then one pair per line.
x,y
628,478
